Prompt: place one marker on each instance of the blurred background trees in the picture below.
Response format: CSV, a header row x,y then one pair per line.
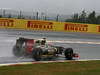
x,y
90,18
83,17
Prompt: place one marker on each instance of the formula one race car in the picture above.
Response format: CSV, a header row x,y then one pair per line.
x,y
38,49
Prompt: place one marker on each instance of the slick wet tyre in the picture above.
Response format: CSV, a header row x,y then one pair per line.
x,y
68,53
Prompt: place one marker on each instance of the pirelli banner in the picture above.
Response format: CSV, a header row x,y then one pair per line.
x,y
30,24
44,25
6,23
78,27
39,25
10,23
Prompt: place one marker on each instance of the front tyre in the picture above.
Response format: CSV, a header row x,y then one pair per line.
x,y
68,53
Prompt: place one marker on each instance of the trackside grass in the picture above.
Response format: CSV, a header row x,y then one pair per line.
x,y
66,68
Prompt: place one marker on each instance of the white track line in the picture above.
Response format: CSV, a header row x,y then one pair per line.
x,y
61,41
78,42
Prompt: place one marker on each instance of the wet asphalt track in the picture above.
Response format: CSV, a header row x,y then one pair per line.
x,y
68,39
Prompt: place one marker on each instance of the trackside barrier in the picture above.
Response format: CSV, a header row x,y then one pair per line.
x,y
9,23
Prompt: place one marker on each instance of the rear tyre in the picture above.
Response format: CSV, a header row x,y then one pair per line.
x,y
37,54
18,52
68,53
